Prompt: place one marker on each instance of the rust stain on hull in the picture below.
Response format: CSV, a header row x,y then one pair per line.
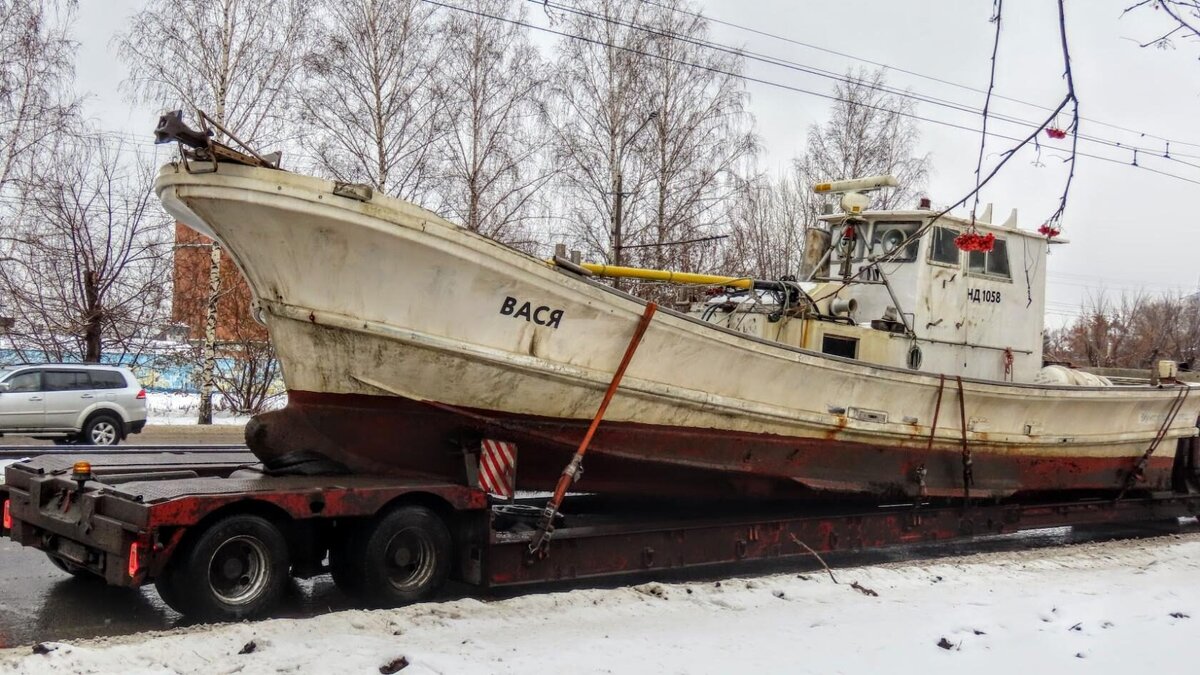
x,y
398,436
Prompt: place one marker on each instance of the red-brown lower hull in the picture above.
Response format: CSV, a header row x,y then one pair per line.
x,y
397,436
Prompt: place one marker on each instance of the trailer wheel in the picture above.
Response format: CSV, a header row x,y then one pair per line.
x,y
403,557
236,568
70,567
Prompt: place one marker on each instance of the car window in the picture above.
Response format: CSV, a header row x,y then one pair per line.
x,y
27,381
107,379
66,380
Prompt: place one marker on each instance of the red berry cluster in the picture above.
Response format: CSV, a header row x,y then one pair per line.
x,y
1049,231
973,241
1055,133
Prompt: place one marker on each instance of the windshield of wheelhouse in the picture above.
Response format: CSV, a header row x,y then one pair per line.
x,y
874,239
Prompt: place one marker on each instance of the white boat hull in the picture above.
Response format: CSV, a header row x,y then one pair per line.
x,y
403,336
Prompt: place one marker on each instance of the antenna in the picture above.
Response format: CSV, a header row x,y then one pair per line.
x,y
853,200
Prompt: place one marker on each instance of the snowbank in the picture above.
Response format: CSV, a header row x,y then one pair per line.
x,y
181,408
1130,606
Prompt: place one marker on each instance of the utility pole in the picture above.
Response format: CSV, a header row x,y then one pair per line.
x,y
619,196
618,205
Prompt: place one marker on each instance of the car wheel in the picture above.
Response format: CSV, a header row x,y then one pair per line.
x,y
400,558
101,430
236,568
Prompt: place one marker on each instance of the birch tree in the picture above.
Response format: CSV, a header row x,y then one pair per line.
x,y
766,228
600,109
700,134
370,104
36,72
36,102
232,58
88,264
868,133
493,81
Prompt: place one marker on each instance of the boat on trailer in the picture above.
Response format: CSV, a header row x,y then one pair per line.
x,y
900,367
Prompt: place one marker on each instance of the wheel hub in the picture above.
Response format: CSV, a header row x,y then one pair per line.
x,y
237,571
410,558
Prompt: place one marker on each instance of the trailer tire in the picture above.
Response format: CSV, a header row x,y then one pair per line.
x,y
237,567
402,557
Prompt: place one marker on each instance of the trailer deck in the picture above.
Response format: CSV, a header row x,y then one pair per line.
x,y
135,517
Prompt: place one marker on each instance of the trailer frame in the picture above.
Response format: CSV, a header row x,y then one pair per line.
x,y
128,520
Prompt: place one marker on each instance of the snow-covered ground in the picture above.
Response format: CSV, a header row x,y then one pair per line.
x,y
1121,607
179,408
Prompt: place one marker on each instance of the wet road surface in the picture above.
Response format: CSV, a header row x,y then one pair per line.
x,y
38,602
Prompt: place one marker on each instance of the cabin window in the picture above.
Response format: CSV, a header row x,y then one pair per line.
x,y
887,235
942,248
836,345
993,263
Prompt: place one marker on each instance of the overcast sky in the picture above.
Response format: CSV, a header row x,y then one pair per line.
x,y
1129,228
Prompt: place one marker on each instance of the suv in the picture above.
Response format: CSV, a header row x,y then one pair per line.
x,y
77,403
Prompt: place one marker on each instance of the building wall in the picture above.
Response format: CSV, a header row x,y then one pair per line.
x,y
189,302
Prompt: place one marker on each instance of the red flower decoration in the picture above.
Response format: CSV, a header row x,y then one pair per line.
x,y
1049,231
973,241
1055,133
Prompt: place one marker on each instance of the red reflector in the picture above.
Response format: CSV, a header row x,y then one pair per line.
x,y
134,564
141,395
7,516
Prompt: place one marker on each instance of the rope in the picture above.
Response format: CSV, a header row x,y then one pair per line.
x,y
921,470
539,545
1139,469
967,462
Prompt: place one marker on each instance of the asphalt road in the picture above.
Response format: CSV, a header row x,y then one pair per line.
x,y
38,602
173,434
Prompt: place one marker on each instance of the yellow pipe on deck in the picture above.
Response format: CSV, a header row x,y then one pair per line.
x,y
601,270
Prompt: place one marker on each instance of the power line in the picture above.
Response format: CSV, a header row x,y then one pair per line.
x,y
839,77
886,66
779,85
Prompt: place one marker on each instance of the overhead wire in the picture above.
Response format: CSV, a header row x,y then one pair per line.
x,y
841,77
892,67
779,85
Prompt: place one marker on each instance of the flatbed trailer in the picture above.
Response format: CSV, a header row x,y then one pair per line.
x,y
219,538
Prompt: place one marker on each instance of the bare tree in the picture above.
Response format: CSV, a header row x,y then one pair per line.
x,y
766,233
700,134
1182,17
88,264
233,58
370,103
493,82
36,70
600,107
1133,332
868,133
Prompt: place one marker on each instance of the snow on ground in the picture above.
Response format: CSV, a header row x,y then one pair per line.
x,y
164,407
1118,607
